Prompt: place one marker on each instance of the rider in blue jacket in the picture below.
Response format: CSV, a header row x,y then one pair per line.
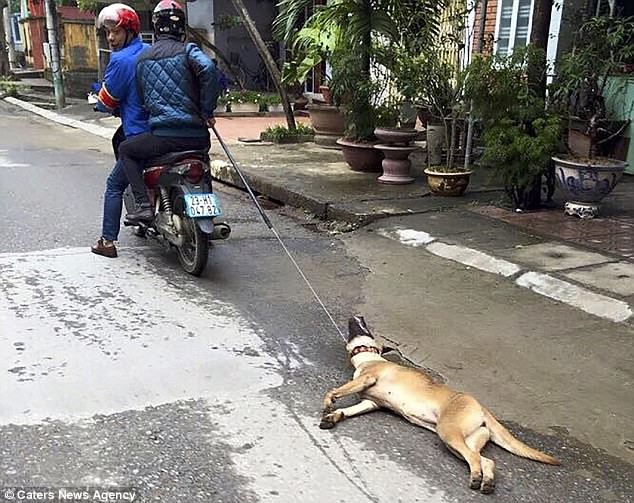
x,y
119,96
179,86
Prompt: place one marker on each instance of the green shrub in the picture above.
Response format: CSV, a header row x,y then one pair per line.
x,y
281,134
8,88
244,96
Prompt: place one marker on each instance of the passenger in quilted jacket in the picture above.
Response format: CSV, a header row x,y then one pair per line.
x,y
179,86
118,96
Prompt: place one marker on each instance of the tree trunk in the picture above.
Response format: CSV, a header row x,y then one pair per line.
x,y
264,53
539,38
4,57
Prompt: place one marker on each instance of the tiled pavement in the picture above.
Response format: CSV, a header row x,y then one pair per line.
x,y
613,234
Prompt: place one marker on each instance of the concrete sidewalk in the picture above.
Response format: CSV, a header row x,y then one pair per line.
x,y
587,264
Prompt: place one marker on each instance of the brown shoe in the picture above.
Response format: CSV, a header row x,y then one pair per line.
x,y
104,248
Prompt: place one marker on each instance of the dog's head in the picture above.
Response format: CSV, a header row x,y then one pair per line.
x,y
360,339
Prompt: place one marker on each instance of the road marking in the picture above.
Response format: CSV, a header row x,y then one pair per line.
x,y
581,298
474,258
82,335
408,237
6,163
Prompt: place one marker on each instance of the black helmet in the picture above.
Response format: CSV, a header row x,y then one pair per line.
x,y
169,19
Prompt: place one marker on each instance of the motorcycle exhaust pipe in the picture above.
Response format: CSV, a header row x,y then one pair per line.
x,y
221,231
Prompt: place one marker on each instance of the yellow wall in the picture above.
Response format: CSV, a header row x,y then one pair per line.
x,y
80,52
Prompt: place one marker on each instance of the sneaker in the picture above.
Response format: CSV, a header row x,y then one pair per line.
x,y
104,248
143,213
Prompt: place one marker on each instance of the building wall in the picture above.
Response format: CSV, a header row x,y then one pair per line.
x,y
80,53
489,26
234,41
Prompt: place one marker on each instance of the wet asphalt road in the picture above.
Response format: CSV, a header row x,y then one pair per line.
x,y
129,373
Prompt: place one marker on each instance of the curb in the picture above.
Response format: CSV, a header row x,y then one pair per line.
x,y
101,131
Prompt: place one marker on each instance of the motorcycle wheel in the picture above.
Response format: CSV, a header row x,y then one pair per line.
x,y
194,252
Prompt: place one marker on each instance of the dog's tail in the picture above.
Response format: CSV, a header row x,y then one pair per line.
x,y
503,437
357,327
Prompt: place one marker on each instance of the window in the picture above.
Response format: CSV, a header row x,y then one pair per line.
x,y
15,28
513,25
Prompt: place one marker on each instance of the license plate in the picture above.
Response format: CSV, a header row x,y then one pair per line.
x,y
202,205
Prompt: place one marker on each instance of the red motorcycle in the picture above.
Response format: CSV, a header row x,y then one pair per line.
x,y
185,207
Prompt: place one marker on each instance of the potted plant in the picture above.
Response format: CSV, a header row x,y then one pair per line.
x,y
347,35
603,48
272,103
244,101
520,135
442,93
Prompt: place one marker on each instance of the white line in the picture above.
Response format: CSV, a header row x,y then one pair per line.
x,y
474,258
408,237
60,119
576,296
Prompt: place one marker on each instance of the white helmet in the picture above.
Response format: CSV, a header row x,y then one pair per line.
x,y
119,15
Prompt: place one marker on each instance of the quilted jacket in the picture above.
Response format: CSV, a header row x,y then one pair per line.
x,y
179,86
118,93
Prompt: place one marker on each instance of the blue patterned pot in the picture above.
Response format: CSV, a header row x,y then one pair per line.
x,y
586,183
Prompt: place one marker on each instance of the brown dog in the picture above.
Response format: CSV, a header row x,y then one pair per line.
x,y
460,421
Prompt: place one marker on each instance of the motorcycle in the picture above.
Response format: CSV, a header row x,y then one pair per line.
x,y
185,207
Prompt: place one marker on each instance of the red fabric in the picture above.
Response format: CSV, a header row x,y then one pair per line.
x,y
107,99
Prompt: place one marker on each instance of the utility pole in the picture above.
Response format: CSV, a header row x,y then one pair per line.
x,y
6,17
56,67
271,66
4,58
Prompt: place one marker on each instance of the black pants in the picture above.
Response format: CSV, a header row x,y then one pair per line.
x,y
117,139
135,151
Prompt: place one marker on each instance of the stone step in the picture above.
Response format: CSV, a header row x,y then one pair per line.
x,y
27,73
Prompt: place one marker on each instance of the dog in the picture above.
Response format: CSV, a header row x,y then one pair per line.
x,y
460,421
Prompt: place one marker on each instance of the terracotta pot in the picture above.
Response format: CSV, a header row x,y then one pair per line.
x,y
447,184
396,164
396,136
328,123
361,156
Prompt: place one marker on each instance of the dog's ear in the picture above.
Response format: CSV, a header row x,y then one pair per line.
x,y
357,328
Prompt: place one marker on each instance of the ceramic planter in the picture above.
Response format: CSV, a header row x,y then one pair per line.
x,y
447,184
245,107
586,182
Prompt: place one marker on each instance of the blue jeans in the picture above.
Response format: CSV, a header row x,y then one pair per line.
x,y
113,202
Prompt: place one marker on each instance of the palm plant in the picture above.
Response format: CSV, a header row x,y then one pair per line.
x,y
351,34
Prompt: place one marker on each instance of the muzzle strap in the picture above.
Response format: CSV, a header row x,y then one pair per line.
x,y
364,349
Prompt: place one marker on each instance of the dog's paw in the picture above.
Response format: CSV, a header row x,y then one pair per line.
x,y
327,423
487,487
475,481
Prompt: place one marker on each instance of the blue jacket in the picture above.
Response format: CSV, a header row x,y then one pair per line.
x,y
119,94
179,86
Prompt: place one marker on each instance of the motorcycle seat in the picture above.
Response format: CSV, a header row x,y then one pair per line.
x,y
174,157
